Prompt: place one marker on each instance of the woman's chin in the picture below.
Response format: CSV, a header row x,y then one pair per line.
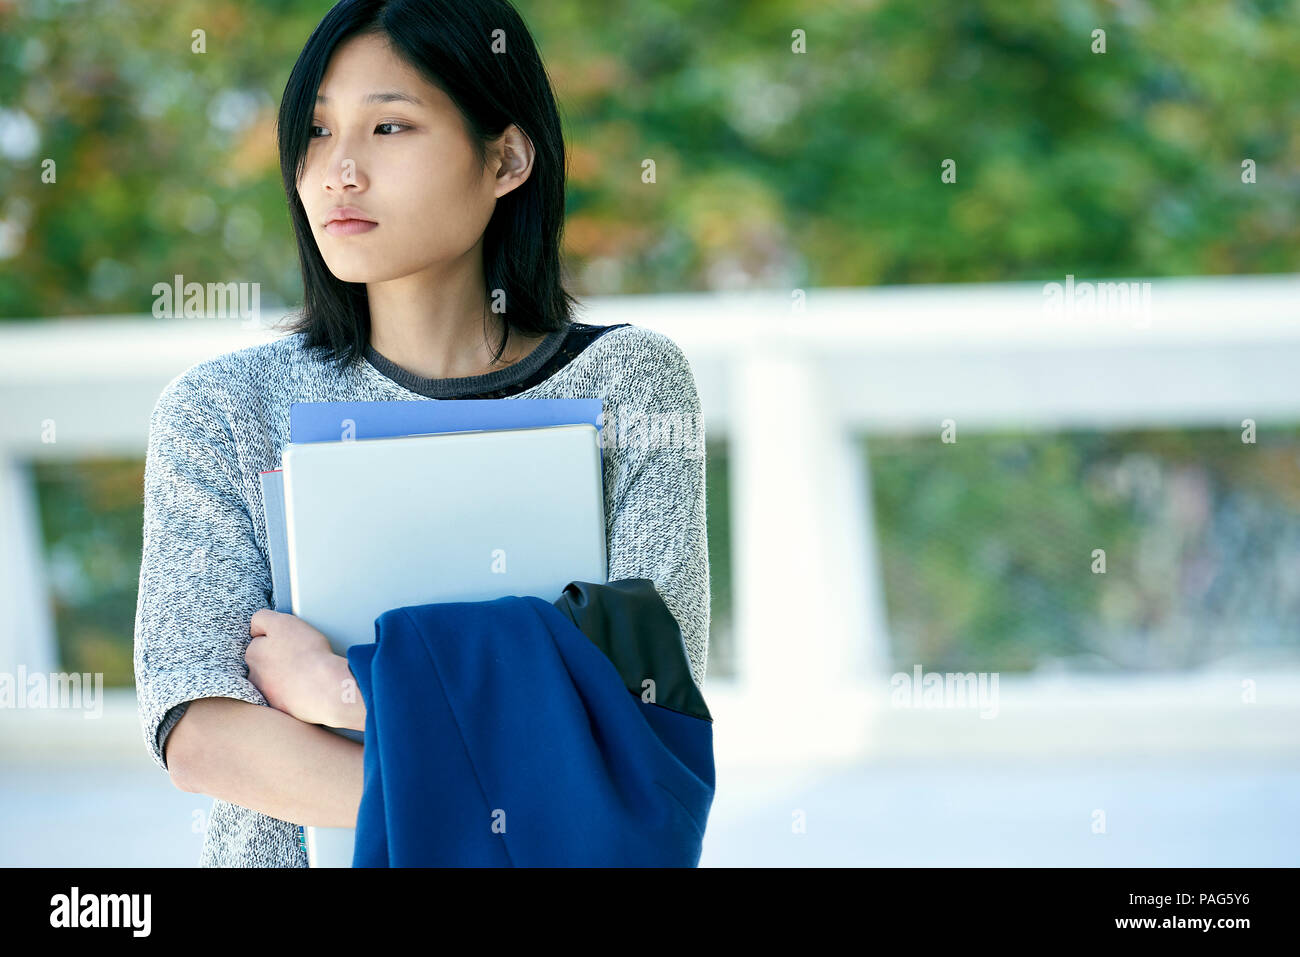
x,y
355,273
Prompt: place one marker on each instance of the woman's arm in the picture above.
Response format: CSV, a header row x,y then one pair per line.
x,y
202,578
266,760
658,529
349,708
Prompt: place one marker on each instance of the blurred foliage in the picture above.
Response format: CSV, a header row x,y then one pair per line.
x,y
774,168
717,500
91,517
987,548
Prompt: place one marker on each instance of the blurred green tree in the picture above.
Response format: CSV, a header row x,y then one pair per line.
x,y
773,167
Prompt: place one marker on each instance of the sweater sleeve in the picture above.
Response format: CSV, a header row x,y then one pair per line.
x,y
658,526
201,574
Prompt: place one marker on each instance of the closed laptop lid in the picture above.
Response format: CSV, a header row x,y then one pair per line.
x,y
376,524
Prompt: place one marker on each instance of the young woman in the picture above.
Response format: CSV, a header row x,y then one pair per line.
x,y
423,161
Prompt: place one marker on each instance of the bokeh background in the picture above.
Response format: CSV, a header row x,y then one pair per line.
x,y
802,245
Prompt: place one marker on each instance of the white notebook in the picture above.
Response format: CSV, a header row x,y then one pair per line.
x,y
376,524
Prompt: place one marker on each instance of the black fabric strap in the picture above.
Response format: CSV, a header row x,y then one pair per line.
x,y
630,623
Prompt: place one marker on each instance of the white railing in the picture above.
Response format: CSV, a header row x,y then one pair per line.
x,y
790,381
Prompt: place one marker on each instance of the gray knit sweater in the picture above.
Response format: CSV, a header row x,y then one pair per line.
x,y
206,568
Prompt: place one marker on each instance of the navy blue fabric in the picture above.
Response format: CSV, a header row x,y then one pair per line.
x,y
498,735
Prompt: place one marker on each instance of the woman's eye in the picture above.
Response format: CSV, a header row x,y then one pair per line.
x,y
399,126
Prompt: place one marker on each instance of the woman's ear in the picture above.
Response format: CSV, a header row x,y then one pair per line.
x,y
513,155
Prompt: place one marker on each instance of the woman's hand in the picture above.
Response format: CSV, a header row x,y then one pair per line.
x,y
294,667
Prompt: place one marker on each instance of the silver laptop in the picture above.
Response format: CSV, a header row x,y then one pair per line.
x,y
376,524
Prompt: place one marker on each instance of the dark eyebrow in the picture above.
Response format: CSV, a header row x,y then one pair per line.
x,y
388,96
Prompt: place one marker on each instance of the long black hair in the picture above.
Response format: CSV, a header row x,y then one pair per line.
x,y
451,43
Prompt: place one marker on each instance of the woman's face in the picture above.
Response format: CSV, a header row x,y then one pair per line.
x,y
407,166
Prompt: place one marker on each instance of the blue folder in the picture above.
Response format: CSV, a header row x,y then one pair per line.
x,y
337,421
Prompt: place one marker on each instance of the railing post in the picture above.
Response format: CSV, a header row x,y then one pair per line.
x,y
26,628
808,639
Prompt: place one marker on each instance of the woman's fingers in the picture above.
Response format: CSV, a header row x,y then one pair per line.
x,y
260,623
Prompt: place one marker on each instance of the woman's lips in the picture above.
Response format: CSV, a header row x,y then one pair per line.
x,y
349,227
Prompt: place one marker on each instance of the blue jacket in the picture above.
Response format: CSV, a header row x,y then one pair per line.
x,y
520,732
